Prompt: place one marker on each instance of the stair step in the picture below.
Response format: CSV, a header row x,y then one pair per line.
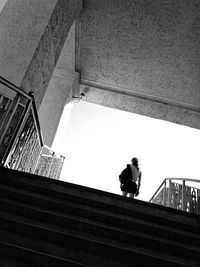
x,y
115,220
96,230
100,199
58,244
8,262
35,258
79,226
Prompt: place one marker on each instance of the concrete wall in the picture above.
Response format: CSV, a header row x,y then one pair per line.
x,y
2,3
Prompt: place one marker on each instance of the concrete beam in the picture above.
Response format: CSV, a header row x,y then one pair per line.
x,y
142,105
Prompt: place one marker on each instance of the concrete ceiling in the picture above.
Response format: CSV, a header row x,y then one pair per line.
x,y
144,49
142,56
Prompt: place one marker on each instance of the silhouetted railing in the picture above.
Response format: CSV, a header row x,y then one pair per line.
x,y
178,193
21,142
50,163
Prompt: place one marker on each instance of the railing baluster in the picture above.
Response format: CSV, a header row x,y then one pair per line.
x,y
164,194
15,143
20,135
9,130
183,196
169,194
179,196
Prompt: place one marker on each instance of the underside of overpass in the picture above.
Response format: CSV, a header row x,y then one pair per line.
x,y
138,56
141,56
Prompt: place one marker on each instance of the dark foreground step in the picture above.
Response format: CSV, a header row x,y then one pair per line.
x,y
28,258
99,199
107,234
86,251
80,225
60,209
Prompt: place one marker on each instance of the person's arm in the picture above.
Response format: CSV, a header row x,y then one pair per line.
x,y
139,180
139,183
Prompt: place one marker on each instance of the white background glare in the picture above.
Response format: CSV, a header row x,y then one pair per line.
x,y
98,142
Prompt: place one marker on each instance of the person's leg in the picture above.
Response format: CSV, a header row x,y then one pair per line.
x,y
131,195
124,194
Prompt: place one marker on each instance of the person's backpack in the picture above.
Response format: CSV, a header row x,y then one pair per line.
x,y
123,176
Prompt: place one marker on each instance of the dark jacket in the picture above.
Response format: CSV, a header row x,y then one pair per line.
x,y
126,175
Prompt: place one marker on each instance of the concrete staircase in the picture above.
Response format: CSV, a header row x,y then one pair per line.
x,y
45,222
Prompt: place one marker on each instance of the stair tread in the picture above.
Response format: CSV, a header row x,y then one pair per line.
x,y
62,220
89,194
36,232
61,209
81,222
44,258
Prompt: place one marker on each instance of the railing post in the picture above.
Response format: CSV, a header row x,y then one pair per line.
x,y
164,194
169,194
183,196
21,139
15,127
21,125
51,164
37,162
198,201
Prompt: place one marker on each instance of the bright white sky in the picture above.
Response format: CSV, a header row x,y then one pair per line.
x,y
98,142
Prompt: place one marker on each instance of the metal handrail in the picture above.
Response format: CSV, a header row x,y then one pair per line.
x,y
158,190
173,178
29,96
14,88
182,179
174,193
26,141
49,148
37,118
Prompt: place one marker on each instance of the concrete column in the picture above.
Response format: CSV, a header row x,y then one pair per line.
x,y
32,34
63,84
2,3
58,93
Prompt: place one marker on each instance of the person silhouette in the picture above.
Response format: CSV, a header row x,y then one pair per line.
x,y
130,179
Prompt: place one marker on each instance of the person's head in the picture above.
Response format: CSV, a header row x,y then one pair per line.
x,y
135,162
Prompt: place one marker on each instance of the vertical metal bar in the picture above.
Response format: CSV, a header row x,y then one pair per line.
x,y
62,160
198,201
37,160
4,110
19,127
164,195
169,194
183,197
8,118
51,163
31,156
6,148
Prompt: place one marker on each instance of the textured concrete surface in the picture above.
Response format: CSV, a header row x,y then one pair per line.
x,y
57,94
59,90
144,52
22,24
147,47
32,34
49,48
143,106
2,3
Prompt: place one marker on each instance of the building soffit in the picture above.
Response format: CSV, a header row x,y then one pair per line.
x,y
141,57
